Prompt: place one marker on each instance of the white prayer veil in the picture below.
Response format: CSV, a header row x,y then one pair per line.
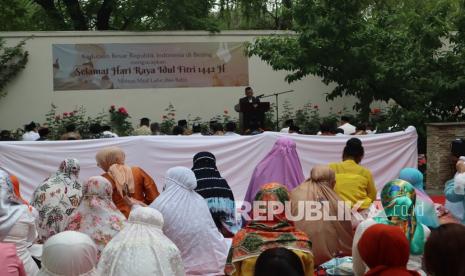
x,y
189,224
141,248
69,253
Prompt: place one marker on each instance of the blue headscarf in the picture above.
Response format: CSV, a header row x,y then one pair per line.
x,y
424,209
412,176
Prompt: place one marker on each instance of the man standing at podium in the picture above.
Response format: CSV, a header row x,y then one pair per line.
x,y
249,98
248,111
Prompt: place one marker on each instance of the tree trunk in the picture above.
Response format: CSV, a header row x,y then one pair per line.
x,y
103,16
286,15
76,14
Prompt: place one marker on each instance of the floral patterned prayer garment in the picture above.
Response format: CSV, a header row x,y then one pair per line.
x,y
56,198
97,215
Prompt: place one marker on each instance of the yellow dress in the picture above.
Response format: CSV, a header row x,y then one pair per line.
x,y
354,183
246,267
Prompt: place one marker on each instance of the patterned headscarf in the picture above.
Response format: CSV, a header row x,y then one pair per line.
x,y
56,198
260,235
216,191
97,215
11,208
111,160
398,198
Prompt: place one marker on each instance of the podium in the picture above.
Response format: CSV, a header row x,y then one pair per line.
x,y
252,115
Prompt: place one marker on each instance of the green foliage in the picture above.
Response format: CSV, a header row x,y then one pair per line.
x,y
373,50
270,118
144,15
21,15
57,122
12,62
168,120
137,15
119,120
257,14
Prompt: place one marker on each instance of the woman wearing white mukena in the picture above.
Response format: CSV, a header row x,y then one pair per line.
x,y
189,224
17,224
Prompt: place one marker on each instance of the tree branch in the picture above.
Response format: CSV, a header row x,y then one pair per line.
x,y
52,12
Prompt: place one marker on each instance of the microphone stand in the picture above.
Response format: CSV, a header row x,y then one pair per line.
x,y
277,104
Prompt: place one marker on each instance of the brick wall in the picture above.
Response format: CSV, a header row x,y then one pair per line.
x,y
439,137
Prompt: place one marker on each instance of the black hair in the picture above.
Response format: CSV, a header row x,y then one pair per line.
x,y
154,127
247,88
327,126
294,128
145,121
289,123
231,126
346,118
106,128
44,132
361,127
196,128
70,127
278,261
5,135
94,128
444,252
354,148
182,123
30,127
177,130
217,127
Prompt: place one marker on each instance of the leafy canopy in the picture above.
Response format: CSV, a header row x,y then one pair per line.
x,y
376,50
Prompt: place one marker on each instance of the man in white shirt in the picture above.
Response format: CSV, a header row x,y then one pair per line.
x,y
346,126
287,125
144,128
31,132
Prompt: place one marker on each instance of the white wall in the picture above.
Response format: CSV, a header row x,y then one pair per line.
x,y
31,93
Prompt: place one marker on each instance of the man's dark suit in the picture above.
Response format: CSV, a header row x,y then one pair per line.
x,y
250,119
246,100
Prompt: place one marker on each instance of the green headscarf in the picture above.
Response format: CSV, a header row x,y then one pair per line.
x,y
398,199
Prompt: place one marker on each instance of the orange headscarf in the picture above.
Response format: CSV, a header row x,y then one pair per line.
x,y
111,160
15,181
385,249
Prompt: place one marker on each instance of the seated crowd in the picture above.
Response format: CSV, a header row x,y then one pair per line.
x,y
119,223
328,127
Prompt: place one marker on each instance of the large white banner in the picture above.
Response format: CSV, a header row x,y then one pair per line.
x,y
385,155
149,65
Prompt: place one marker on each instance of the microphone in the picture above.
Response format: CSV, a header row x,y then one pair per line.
x,y
259,96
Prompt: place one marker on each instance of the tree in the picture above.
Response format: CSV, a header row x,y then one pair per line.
x,y
127,14
21,15
374,50
12,61
257,14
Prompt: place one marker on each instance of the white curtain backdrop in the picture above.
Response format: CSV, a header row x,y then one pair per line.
x,y
31,162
